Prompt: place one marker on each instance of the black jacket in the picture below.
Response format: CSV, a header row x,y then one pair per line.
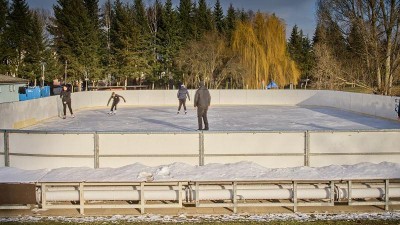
x,y
65,96
115,99
182,93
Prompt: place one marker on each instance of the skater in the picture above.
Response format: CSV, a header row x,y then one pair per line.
x,y
202,100
182,93
65,96
115,98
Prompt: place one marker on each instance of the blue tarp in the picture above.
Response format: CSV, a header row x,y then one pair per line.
x,y
272,85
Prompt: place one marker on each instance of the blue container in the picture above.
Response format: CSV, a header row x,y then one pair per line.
x,y
36,92
30,94
22,97
45,91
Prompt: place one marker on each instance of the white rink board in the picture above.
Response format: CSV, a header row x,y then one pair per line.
x,y
52,144
115,162
265,161
354,142
34,163
253,143
327,160
145,144
2,161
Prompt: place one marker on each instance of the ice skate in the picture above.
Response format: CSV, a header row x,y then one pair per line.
x,y
177,112
64,117
73,116
115,112
185,112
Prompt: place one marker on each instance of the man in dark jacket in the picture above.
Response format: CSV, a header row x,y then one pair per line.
x,y
202,100
115,98
182,93
65,96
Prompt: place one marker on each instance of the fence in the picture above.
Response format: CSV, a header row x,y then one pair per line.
x,y
19,148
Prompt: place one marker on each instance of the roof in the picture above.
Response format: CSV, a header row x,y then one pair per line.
x,y
11,80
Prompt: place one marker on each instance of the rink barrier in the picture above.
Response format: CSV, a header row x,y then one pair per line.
x,y
34,111
272,149
218,194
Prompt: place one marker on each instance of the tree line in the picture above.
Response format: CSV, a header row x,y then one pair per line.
x,y
155,44
355,43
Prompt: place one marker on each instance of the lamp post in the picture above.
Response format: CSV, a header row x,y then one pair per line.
x,y
43,67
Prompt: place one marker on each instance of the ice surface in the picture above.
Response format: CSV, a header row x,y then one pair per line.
x,y
218,172
221,118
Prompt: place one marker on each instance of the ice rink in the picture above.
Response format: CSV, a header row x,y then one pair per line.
x,y
221,118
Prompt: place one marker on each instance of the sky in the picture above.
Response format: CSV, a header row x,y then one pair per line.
x,y
299,12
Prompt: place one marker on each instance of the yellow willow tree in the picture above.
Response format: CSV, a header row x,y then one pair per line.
x,y
261,44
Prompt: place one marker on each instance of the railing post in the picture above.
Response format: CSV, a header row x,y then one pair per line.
x,y
307,148
81,199
234,197
96,151
387,194
6,149
201,149
44,203
142,200
197,199
332,193
294,186
349,192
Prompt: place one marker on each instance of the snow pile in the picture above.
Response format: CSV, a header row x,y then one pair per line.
x,y
218,172
209,218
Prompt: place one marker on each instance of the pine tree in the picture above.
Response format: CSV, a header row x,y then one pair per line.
x,y
76,37
219,17
185,20
3,46
230,22
203,18
17,35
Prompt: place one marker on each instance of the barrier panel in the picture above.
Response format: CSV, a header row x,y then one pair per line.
x,y
50,150
120,149
330,147
38,150
268,149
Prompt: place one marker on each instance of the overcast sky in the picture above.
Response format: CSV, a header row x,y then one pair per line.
x,y
300,12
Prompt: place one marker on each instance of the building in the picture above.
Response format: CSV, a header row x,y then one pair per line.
x,y
9,88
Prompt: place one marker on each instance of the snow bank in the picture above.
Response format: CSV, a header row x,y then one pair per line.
x,y
210,172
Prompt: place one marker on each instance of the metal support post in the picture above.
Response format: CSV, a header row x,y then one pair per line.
x,y
294,183
201,149
307,149
81,199
349,192
234,197
96,151
142,200
386,194
197,194
6,149
332,193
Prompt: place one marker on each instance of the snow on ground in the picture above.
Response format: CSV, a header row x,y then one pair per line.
x,y
184,172
221,118
150,218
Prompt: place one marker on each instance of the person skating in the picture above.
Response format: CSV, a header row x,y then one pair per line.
x,y
115,98
182,94
202,100
65,96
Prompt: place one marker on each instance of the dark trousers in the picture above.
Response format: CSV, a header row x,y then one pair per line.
x,y
202,116
182,102
65,107
114,106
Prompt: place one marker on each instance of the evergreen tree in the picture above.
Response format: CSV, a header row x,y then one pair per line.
x,y
203,18
230,22
76,37
185,20
219,17
3,47
300,50
16,35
